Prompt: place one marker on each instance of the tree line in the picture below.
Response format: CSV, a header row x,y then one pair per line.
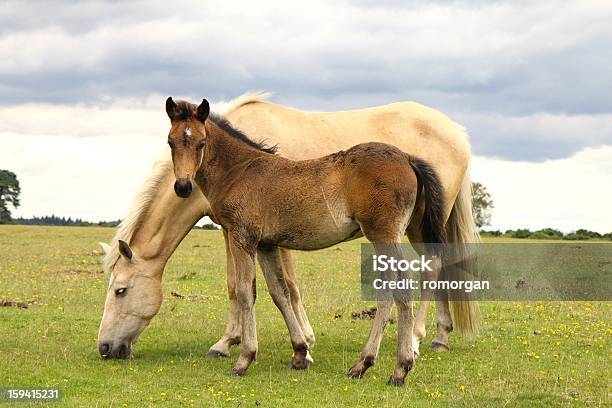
x,y
62,221
549,233
53,220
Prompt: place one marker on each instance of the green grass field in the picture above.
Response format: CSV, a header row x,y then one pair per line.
x,y
52,343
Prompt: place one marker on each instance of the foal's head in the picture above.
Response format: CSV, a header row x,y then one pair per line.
x,y
187,139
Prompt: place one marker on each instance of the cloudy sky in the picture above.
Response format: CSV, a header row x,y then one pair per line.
x,y
82,86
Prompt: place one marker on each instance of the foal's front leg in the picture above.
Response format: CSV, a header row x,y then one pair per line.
x,y
246,291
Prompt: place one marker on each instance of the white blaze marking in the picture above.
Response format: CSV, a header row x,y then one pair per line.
x,y
188,131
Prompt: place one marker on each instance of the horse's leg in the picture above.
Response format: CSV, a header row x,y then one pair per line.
x,y
246,292
272,267
296,297
233,328
444,323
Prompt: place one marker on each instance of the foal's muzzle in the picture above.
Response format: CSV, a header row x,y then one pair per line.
x,y
183,188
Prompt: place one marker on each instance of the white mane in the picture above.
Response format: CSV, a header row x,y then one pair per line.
x,y
146,195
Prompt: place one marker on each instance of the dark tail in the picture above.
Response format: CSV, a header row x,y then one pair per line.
x,y
432,228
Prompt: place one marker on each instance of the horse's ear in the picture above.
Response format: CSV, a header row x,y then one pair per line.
x,y
125,250
203,111
105,247
171,108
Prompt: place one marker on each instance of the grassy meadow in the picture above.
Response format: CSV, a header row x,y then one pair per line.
x,y
52,343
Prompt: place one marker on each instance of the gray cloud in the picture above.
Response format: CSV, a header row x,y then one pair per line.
x,y
497,67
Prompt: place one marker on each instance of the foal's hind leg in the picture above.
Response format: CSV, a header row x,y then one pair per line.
x,y
405,322
296,298
372,346
405,353
271,264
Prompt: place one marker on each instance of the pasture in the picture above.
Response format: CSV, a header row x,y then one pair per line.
x,y
531,354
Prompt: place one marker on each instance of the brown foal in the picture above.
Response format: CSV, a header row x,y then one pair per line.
x,y
265,202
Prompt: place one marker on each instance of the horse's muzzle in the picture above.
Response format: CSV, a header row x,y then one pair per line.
x,y
121,351
183,188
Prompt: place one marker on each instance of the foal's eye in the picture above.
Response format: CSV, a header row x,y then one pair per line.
x,y
201,145
120,291
171,143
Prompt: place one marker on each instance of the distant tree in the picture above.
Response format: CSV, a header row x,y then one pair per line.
x,y
582,235
494,233
482,205
588,233
209,226
521,233
9,194
551,232
547,233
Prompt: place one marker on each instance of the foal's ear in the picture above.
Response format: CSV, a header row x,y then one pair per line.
x,y
171,108
203,111
125,250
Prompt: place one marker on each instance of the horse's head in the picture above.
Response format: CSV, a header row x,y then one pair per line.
x,y
187,139
133,299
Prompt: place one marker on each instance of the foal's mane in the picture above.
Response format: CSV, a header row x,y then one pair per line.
x,y
227,127
187,111
146,195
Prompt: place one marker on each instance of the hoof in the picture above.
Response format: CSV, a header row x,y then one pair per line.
x,y
216,354
355,373
238,372
359,369
435,346
300,360
299,363
300,366
398,382
308,357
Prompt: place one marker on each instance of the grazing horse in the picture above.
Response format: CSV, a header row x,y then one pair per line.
x,y
265,202
159,220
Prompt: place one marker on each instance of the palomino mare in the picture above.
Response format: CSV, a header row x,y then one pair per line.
x,y
159,220
264,201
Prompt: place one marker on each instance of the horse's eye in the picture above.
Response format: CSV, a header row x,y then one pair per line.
x,y
120,291
171,143
201,145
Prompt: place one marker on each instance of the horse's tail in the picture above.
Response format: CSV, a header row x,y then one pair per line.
x,y
432,227
461,232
